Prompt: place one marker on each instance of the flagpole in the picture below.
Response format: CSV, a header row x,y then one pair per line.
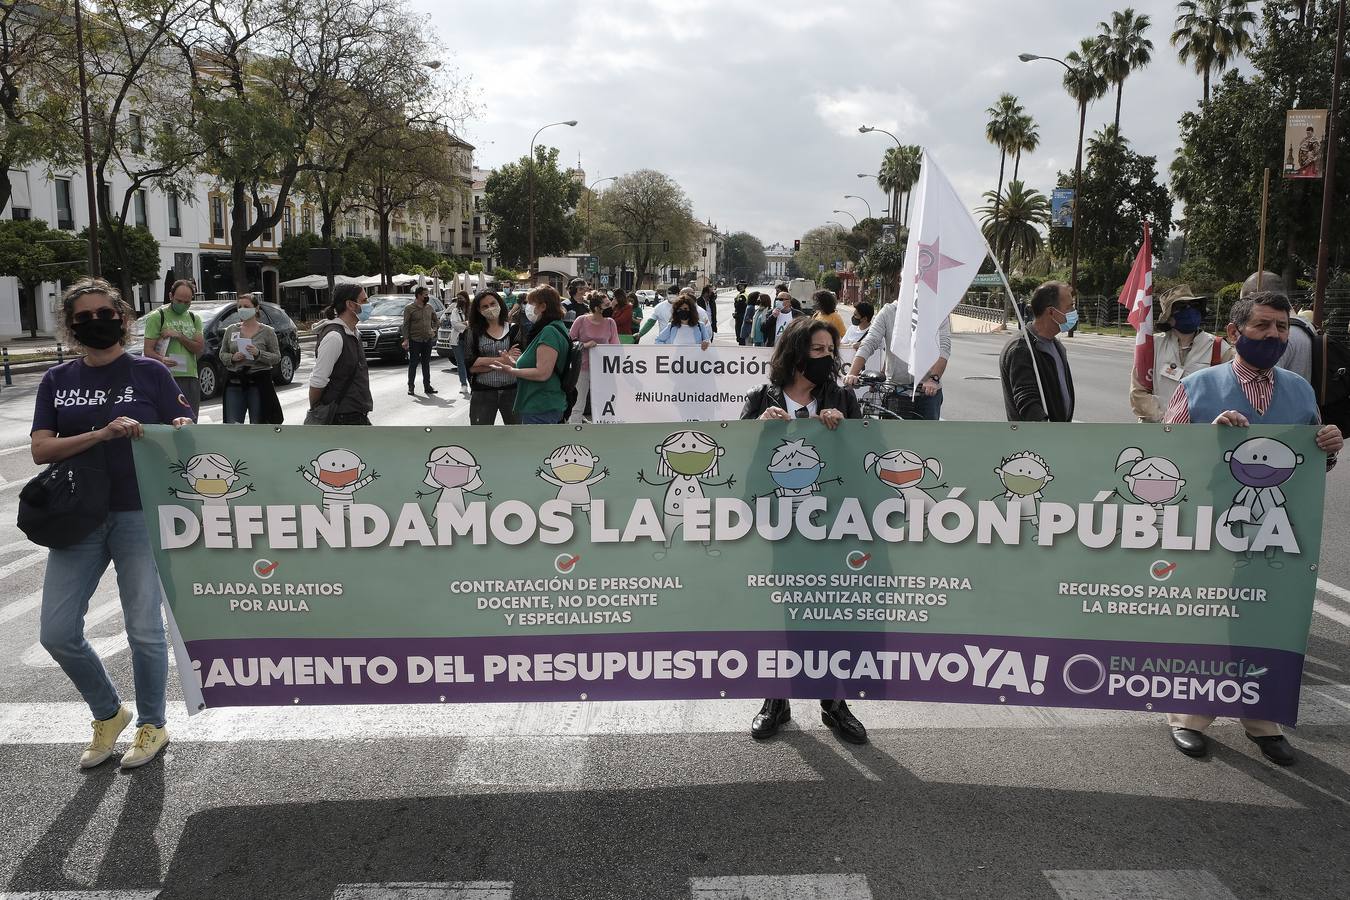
x,y
1026,329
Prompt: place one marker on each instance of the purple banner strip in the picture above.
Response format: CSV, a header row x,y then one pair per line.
x,y
1251,682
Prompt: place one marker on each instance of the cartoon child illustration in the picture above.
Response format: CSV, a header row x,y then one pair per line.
x,y
1154,480
795,467
687,458
338,473
452,472
908,474
1260,465
1024,476
211,479
570,468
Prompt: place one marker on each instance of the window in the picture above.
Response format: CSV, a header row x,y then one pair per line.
x,y
142,216
65,212
288,222
136,126
217,218
21,213
307,220
175,220
351,228
182,265
267,211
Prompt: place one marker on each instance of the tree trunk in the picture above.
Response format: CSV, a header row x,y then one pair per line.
x,y
1120,89
386,275
998,194
1017,163
1206,94
239,237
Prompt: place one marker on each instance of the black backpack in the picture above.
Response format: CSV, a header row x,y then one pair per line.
x,y
569,371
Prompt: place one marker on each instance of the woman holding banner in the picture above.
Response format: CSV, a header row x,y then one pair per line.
x,y
685,327
804,384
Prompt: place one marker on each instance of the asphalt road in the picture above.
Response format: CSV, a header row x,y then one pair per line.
x,y
657,800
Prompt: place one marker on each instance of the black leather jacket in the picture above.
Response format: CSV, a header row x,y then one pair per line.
x,y
828,396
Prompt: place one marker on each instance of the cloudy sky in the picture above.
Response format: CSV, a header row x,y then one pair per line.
x,y
753,106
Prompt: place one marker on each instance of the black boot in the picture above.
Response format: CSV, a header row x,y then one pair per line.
x,y
771,715
836,714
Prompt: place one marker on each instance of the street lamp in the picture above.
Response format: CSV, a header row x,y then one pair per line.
x,y
589,189
863,199
844,212
1077,167
571,123
867,129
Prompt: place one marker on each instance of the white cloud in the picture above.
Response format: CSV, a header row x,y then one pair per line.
x,y
895,111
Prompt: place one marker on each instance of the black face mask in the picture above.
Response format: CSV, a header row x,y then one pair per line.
x,y
98,334
819,369
682,315
857,321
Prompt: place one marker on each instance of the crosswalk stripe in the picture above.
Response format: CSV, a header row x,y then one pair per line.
x,y
78,895
1336,615
37,657
1333,590
425,890
16,608
780,887
67,722
1162,884
23,562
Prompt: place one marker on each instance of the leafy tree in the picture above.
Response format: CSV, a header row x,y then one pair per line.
x,y
832,282
360,256
410,256
648,211
1217,169
1123,48
36,99
792,269
821,246
1120,190
898,174
1013,222
884,261
139,257
1212,33
1004,117
745,256
507,201
32,253
293,255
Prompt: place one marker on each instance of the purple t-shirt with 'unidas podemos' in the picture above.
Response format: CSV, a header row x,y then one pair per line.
x,y
72,399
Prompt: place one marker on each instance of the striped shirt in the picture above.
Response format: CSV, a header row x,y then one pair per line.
x,y
1258,386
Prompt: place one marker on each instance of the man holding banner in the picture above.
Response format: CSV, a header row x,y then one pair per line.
x,y
1250,391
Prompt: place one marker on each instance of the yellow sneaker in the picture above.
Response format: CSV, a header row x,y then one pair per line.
x,y
149,740
105,738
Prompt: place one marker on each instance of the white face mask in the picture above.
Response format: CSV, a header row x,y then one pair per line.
x,y
247,313
491,312
530,312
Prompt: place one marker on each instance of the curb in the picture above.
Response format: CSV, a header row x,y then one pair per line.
x,y
21,368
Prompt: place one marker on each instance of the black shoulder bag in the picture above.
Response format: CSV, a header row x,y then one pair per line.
x,y
65,503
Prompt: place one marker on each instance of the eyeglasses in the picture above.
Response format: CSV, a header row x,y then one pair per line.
x,y
103,314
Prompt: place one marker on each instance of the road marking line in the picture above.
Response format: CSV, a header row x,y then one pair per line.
x,y
1332,613
1333,590
68,722
78,895
37,657
17,608
23,562
7,451
780,887
425,890
1322,662
1163,884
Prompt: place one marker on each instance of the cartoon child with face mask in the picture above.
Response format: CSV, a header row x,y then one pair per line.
x,y
1260,465
211,479
1024,476
452,472
339,474
795,468
1154,480
571,469
687,458
908,474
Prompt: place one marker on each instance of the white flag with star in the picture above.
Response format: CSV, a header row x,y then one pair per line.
x,y
944,253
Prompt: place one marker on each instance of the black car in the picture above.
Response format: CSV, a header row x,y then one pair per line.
x,y
216,318
381,329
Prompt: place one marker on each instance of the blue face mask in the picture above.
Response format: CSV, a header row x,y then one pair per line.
x,y
364,313
1070,321
796,479
1263,353
1186,321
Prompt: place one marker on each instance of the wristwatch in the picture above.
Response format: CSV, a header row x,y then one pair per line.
x,y
936,379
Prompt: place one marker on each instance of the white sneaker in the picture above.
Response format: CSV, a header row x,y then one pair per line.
x,y
105,738
149,740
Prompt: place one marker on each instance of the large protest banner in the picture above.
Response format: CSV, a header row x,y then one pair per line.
x,y
1104,566
667,383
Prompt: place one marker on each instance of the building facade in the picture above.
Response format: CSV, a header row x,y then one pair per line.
x,y
777,258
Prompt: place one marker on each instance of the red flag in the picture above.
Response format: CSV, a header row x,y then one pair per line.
x,y
1137,297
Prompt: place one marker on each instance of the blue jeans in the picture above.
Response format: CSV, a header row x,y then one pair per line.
x,y
459,363
238,400
72,577
550,417
928,407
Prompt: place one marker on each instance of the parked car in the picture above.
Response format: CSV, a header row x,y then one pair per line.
x,y
646,297
380,329
216,317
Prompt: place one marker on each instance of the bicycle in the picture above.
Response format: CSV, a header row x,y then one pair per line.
x,y
886,399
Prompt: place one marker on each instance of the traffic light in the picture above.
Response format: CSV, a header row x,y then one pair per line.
x,y
796,245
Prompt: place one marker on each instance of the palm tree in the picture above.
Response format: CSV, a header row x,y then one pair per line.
x,y
891,179
1024,139
1012,222
1106,140
1122,48
911,163
1211,33
1003,117
1084,84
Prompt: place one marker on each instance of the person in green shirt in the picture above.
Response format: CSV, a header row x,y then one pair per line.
x,y
173,335
539,395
